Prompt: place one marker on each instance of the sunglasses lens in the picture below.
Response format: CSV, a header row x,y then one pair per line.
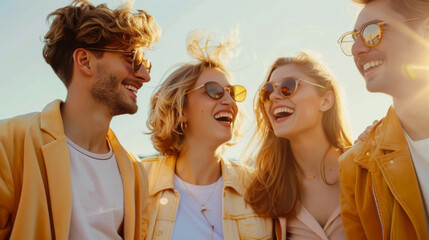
x,y
137,61
287,87
371,35
147,64
347,44
266,91
214,90
238,93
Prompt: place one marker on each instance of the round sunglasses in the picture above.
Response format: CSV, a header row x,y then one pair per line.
x,y
215,91
371,35
136,58
288,88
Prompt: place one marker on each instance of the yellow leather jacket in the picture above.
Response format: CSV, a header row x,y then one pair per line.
x,y
35,179
239,219
380,194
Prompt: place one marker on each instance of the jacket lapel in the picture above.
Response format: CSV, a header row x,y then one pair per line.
x,y
163,177
232,177
126,169
56,157
395,162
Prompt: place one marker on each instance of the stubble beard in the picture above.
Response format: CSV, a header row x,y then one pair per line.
x,y
107,90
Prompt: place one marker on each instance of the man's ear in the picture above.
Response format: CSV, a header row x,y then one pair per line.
x,y
327,101
82,61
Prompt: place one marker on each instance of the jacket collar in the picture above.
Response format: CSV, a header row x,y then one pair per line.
x,y
126,168
164,175
57,163
51,121
390,136
387,134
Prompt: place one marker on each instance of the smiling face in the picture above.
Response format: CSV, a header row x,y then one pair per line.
x,y
116,84
383,66
300,113
209,120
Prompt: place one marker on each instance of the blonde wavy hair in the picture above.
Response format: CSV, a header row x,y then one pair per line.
x,y
82,25
275,190
408,8
168,101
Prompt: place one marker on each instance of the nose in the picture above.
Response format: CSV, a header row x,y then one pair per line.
x,y
142,74
228,100
359,47
276,95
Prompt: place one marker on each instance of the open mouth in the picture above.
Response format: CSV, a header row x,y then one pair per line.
x,y
371,65
224,117
282,112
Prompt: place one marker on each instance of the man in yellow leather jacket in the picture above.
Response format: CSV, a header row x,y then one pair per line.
x,y
384,180
59,167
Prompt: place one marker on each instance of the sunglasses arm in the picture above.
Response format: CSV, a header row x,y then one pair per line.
x,y
195,89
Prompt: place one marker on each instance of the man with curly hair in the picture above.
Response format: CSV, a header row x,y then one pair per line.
x,y
63,173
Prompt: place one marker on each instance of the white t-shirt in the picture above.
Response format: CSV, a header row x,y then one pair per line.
x,y
97,195
190,223
420,153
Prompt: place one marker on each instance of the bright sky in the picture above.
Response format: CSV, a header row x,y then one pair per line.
x,y
268,29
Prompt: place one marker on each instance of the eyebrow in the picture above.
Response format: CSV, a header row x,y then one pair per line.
x,y
368,23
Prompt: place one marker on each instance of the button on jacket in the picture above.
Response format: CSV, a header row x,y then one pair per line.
x,y
380,194
35,179
239,219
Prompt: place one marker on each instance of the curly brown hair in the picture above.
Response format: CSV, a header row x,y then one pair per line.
x,y
83,25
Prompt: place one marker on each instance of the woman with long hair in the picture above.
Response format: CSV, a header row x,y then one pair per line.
x,y
301,132
194,192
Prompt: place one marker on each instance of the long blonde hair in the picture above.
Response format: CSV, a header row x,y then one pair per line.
x,y
275,190
169,100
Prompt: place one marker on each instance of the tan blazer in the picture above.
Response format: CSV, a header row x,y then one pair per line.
x,y
35,179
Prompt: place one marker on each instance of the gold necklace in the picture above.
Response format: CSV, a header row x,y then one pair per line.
x,y
322,169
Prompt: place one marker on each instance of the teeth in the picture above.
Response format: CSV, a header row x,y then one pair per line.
x,y
132,88
283,109
223,114
367,66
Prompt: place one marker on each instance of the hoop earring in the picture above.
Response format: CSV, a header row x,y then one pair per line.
x,y
183,126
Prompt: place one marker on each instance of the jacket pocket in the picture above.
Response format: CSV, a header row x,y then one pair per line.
x,y
251,226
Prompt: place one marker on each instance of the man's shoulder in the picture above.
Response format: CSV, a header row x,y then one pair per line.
x,y
347,159
22,123
149,162
19,123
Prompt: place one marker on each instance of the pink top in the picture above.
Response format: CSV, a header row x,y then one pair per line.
x,y
305,226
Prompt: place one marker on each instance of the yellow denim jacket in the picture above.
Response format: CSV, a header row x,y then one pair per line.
x,y
380,194
239,219
35,179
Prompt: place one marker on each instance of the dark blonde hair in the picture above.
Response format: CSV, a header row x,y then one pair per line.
x,y
82,25
408,8
275,190
168,101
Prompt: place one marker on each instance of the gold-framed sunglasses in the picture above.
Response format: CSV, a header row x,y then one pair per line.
x,y
371,35
215,91
136,57
288,88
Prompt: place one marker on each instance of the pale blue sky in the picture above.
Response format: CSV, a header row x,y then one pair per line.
x,y
268,29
